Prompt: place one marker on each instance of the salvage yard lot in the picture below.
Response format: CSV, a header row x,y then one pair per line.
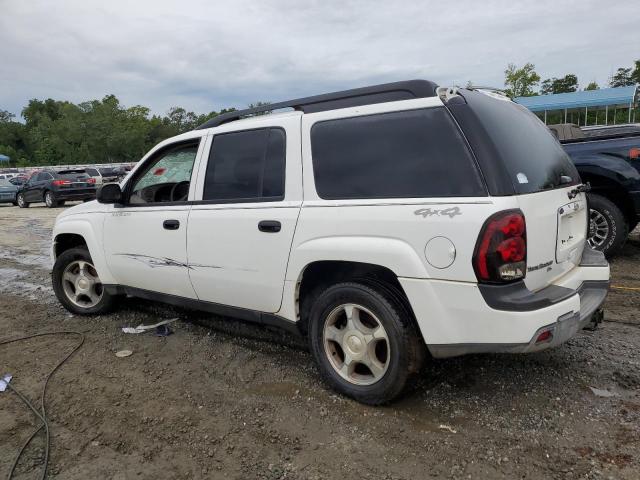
x,y
222,399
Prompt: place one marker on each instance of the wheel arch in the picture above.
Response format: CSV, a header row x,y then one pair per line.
x,y
614,191
70,233
319,275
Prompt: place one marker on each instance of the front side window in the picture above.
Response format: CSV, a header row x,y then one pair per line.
x,y
246,166
167,177
408,154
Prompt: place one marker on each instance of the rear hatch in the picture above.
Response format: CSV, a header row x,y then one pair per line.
x,y
520,157
75,180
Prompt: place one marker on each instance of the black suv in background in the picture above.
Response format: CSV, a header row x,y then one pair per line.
x,y
54,188
609,159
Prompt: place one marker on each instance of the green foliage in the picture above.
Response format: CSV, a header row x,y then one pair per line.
x,y
566,84
635,75
592,86
621,78
519,82
97,131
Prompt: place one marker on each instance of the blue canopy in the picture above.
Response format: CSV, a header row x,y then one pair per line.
x,y
589,98
4,158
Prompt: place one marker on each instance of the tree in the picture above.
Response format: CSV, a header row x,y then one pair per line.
x,y
520,81
635,75
622,78
6,116
592,86
566,84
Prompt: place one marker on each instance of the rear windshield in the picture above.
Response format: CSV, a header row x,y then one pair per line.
x,y
72,174
533,158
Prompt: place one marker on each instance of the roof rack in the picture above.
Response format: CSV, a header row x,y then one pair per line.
x,y
387,92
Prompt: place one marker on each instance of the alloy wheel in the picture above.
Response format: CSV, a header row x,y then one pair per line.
x,y
598,229
81,284
356,344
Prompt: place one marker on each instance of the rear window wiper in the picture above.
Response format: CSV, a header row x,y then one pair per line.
x,y
585,187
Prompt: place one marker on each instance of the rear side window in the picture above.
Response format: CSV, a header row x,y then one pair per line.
x,y
409,154
246,166
531,155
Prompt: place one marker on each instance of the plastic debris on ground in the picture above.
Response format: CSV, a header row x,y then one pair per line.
x,y
4,382
145,328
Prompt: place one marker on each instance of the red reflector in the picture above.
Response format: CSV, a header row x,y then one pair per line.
x,y
544,336
634,153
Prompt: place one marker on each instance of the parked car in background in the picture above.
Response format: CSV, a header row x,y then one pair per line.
x,y
54,188
19,180
381,223
109,174
8,192
95,174
7,176
609,159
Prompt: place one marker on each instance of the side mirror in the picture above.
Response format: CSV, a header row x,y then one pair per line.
x,y
109,193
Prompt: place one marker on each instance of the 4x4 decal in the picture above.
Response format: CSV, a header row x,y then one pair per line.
x,y
433,212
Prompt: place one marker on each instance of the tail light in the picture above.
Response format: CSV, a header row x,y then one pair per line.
x,y
500,255
91,180
57,183
634,153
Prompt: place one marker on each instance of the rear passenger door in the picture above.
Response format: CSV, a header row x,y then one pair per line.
x,y
244,216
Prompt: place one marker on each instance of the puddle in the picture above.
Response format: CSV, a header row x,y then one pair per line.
x,y
13,281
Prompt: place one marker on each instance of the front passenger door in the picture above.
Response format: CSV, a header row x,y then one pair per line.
x,y
145,239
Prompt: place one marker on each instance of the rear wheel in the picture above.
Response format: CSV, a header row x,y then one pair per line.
x,y
21,201
49,200
364,343
608,228
77,285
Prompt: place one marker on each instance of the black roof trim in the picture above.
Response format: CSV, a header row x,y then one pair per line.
x,y
387,92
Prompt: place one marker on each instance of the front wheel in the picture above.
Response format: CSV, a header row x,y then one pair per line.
x,y
608,228
77,285
365,343
21,201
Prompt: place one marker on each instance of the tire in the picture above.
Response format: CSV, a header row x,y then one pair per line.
x,y
608,228
64,288
396,358
21,201
61,203
50,200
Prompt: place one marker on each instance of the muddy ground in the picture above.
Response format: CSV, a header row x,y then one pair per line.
x,y
219,399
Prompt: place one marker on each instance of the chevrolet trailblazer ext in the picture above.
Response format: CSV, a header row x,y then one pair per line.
x,y
384,223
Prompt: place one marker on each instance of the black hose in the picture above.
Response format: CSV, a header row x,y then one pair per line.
x,y
43,414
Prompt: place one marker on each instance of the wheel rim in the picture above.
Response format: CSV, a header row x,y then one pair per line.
x,y
356,344
598,229
48,200
81,284
21,200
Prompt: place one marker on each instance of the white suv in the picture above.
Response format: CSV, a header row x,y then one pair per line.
x,y
384,223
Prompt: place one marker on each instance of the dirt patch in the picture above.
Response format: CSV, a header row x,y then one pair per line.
x,y
222,399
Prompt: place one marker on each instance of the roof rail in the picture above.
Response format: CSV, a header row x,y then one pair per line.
x,y
387,92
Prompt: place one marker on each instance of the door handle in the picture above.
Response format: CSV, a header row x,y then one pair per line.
x,y
269,226
171,224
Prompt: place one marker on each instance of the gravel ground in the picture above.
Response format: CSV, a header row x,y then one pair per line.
x,y
222,399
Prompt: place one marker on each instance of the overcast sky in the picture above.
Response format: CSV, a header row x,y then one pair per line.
x,y
207,55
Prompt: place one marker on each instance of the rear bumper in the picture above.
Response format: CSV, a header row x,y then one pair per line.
x,y
456,319
75,194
